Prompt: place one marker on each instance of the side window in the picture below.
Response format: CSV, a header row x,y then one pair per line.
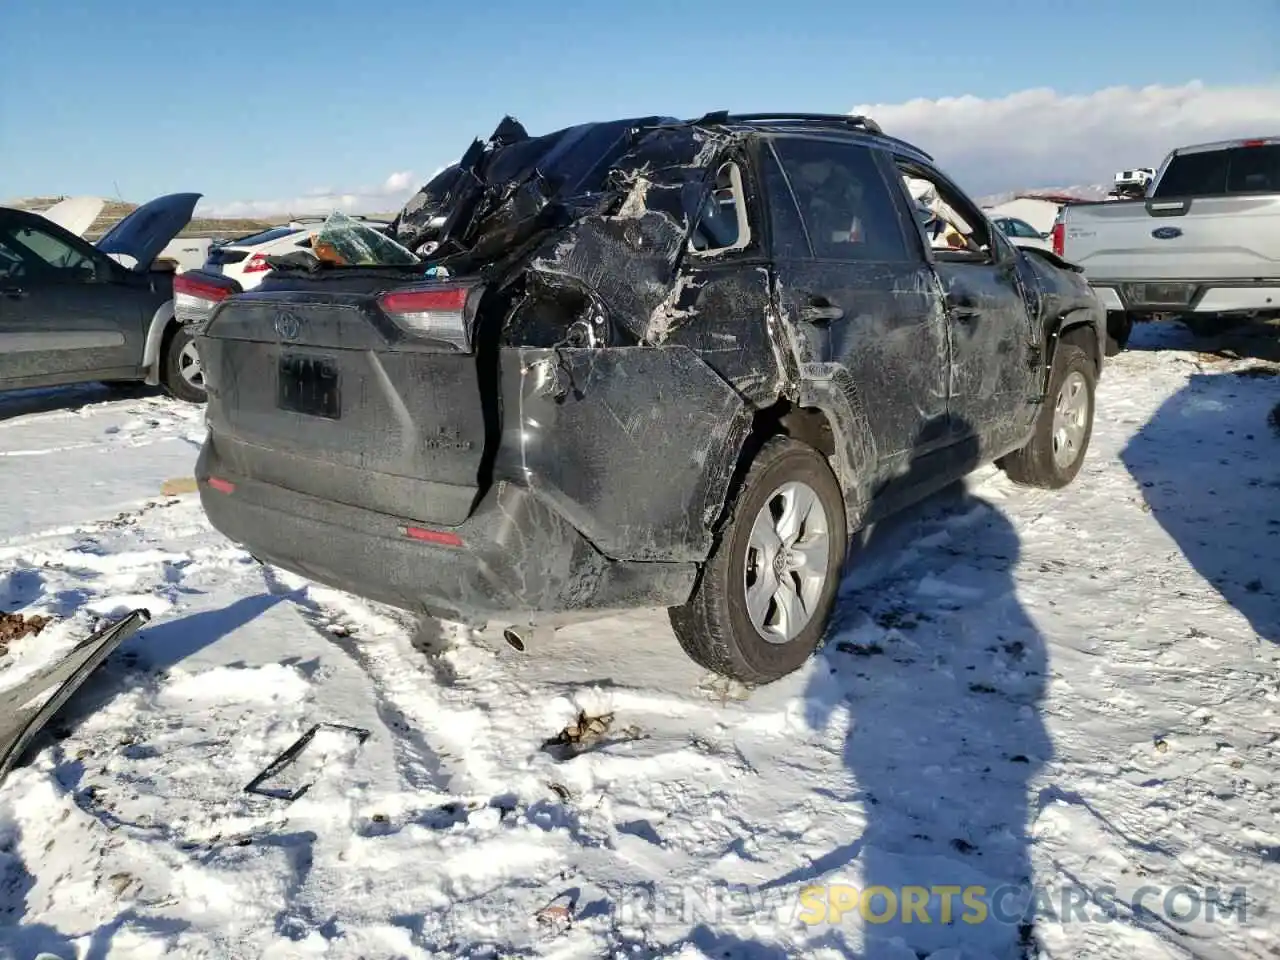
x,y
845,204
45,255
722,222
951,224
1027,230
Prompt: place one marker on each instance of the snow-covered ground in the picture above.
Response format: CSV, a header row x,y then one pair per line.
x,y
1081,687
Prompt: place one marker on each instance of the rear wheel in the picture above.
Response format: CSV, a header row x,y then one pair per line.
x,y
1119,327
1052,457
183,373
764,598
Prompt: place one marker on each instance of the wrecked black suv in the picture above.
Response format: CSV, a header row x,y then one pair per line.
x,y
643,362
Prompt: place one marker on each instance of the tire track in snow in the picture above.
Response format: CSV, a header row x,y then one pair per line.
x,y
403,702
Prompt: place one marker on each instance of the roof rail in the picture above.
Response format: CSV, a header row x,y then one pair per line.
x,y
717,117
854,121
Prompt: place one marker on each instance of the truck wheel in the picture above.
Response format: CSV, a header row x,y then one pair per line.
x,y
1119,326
1052,457
183,375
764,598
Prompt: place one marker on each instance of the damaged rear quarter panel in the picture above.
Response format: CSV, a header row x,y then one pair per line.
x,y
635,446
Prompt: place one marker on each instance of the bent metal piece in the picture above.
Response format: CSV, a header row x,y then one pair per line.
x,y
27,707
291,754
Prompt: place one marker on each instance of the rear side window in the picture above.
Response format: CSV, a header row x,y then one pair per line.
x,y
1254,170
1216,173
844,201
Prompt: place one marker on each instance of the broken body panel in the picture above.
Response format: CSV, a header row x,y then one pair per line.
x,y
30,704
575,446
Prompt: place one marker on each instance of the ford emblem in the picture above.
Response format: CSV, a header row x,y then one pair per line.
x,y
1166,233
288,326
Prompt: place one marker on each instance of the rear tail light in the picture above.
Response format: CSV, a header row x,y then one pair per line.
x,y
222,486
438,312
1059,238
1254,143
256,264
195,295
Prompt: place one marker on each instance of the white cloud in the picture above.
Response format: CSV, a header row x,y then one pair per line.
x,y
399,181
1040,138
388,197
1033,138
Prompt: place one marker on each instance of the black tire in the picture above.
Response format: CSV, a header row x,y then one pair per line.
x,y
1034,465
173,363
1119,327
714,627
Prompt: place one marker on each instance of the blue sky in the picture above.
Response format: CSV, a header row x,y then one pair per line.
x,y
258,99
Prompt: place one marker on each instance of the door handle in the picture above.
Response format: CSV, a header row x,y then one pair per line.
x,y
15,293
820,314
965,312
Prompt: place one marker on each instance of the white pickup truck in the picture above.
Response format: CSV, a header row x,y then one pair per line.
x,y
1202,246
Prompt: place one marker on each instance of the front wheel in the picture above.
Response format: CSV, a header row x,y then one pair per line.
x,y
764,598
1052,457
183,372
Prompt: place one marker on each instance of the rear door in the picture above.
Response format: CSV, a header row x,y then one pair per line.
x,y
319,391
65,312
863,299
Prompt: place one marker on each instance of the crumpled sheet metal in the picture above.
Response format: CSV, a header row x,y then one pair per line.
x,y
627,258
598,425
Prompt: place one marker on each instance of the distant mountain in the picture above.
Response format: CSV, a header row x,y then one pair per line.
x,y
116,210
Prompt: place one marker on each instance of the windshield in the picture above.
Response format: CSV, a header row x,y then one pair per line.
x,y
1216,173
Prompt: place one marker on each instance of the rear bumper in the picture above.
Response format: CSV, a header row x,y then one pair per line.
x,y
514,557
1201,296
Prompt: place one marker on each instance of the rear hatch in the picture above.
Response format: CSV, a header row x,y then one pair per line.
x,y
365,386
330,391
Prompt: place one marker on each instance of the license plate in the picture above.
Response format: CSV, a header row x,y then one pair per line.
x,y
309,385
1172,294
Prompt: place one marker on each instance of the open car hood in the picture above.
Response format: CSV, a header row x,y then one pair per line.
x,y
143,234
75,214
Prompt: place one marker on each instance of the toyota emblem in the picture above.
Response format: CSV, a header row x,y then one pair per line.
x,y
288,326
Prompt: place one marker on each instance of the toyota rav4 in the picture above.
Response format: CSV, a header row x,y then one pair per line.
x,y
647,362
